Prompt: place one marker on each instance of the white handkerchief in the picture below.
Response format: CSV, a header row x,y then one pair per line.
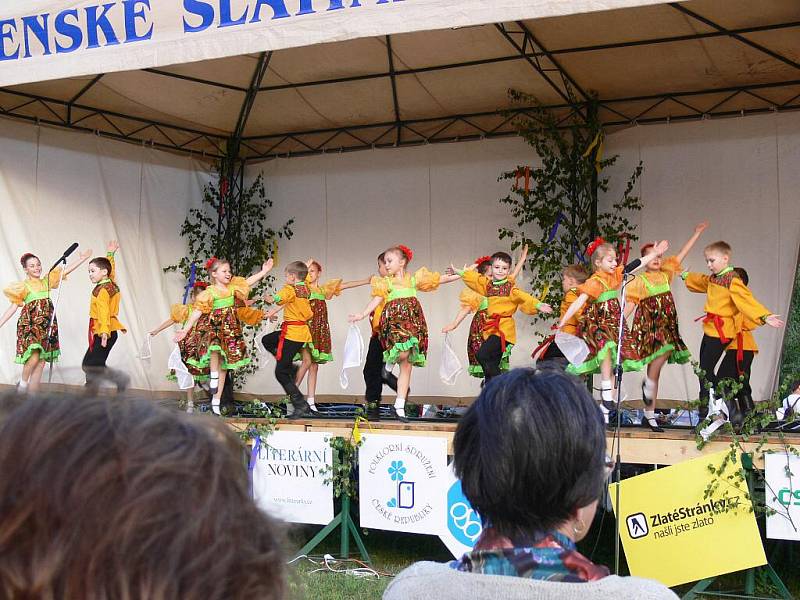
x,y
572,347
450,367
146,351
353,353
185,379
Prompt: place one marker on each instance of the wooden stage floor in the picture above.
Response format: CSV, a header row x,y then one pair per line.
x,y
638,445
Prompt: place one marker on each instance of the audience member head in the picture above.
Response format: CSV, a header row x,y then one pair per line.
x,y
121,498
531,455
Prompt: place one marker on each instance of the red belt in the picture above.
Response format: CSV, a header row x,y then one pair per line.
x,y
91,334
718,323
739,353
284,329
543,346
493,322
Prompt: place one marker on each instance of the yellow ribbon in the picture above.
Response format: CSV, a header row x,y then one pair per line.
x,y
357,430
545,291
599,143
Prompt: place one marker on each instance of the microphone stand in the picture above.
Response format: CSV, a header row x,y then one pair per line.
x,y
626,279
63,261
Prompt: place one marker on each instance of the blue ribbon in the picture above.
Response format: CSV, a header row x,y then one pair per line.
x,y
252,464
190,283
578,254
554,229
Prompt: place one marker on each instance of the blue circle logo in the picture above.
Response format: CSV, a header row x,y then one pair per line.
x,y
462,521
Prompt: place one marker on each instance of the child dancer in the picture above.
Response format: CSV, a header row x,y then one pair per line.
x,y
179,315
375,374
294,335
654,338
473,302
728,300
600,324
572,276
34,348
504,297
320,345
103,321
403,331
220,343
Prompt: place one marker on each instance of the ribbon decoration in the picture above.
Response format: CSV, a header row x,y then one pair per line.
x,y
523,172
190,282
223,193
624,255
554,228
545,291
599,143
357,430
252,464
578,254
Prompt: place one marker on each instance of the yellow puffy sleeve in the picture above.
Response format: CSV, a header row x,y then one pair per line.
x,y
204,302
470,299
696,282
331,288
239,287
380,287
744,300
285,295
16,293
636,290
671,266
526,303
55,277
179,313
250,316
475,281
427,281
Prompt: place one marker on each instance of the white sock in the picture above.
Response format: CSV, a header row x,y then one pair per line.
x,y
604,410
606,391
213,382
190,407
649,414
400,407
22,385
649,387
707,432
425,408
311,405
215,406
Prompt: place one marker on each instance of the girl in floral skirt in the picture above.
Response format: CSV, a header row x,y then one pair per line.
x,y
34,348
402,331
220,343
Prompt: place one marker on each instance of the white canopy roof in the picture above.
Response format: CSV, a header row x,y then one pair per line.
x,y
404,72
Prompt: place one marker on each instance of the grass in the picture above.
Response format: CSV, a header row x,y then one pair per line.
x,y
391,552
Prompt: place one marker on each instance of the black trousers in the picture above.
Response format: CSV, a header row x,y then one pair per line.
x,y
729,369
94,361
489,356
374,376
711,350
284,368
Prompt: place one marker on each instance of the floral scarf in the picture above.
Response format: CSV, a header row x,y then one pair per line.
x,y
552,556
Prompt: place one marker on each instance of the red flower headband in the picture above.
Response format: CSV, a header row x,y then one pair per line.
x,y
482,259
210,262
199,285
598,241
407,251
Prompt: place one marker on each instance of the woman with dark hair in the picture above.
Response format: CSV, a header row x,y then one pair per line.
x,y
531,456
120,498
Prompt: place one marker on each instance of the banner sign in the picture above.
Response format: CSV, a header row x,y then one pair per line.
x,y
462,526
402,483
782,494
289,470
53,39
672,533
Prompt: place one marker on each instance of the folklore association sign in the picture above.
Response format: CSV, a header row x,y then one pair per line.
x,y
402,483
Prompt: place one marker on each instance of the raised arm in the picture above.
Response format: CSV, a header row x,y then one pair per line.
x,y
82,258
462,314
373,304
182,333
521,262
355,283
573,310
658,248
256,277
8,314
699,229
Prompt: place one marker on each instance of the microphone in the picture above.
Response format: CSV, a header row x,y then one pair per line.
x,y
64,256
632,266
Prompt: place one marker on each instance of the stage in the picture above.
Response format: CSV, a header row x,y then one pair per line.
x,y
638,444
